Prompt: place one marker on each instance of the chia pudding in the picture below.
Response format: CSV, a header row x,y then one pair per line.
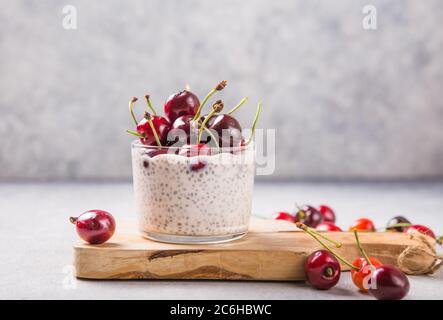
x,y
205,198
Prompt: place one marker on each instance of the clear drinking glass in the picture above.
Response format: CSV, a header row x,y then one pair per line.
x,y
197,199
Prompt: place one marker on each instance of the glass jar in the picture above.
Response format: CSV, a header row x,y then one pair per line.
x,y
183,196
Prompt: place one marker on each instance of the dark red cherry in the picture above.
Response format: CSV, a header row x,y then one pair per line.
x,y
396,220
322,269
327,226
181,130
389,283
161,126
228,129
94,226
181,104
422,229
309,216
327,213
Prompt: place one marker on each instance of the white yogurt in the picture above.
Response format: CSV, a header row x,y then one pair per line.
x,y
172,199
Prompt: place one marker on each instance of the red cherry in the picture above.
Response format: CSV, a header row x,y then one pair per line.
x,y
183,130
361,277
285,216
161,126
180,104
309,216
327,226
322,269
328,213
390,283
395,221
421,229
94,226
228,130
362,224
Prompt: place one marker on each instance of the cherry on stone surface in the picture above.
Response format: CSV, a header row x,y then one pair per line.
x,y
285,216
396,220
94,226
181,104
360,276
309,216
322,269
161,126
327,212
327,226
228,130
390,283
420,228
362,224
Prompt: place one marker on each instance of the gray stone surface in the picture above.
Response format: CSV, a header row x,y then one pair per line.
x,y
346,102
37,239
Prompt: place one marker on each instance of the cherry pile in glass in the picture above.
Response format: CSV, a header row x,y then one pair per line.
x,y
185,126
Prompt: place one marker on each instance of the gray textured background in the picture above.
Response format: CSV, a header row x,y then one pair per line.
x,y
346,103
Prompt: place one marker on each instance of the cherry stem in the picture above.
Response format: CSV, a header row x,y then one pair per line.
x,y
318,234
254,123
217,107
329,272
343,260
187,87
439,240
148,117
363,252
73,219
242,102
212,136
148,102
219,87
135,133
131,109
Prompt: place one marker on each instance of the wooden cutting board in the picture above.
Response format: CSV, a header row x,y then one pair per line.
x,y
272,250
